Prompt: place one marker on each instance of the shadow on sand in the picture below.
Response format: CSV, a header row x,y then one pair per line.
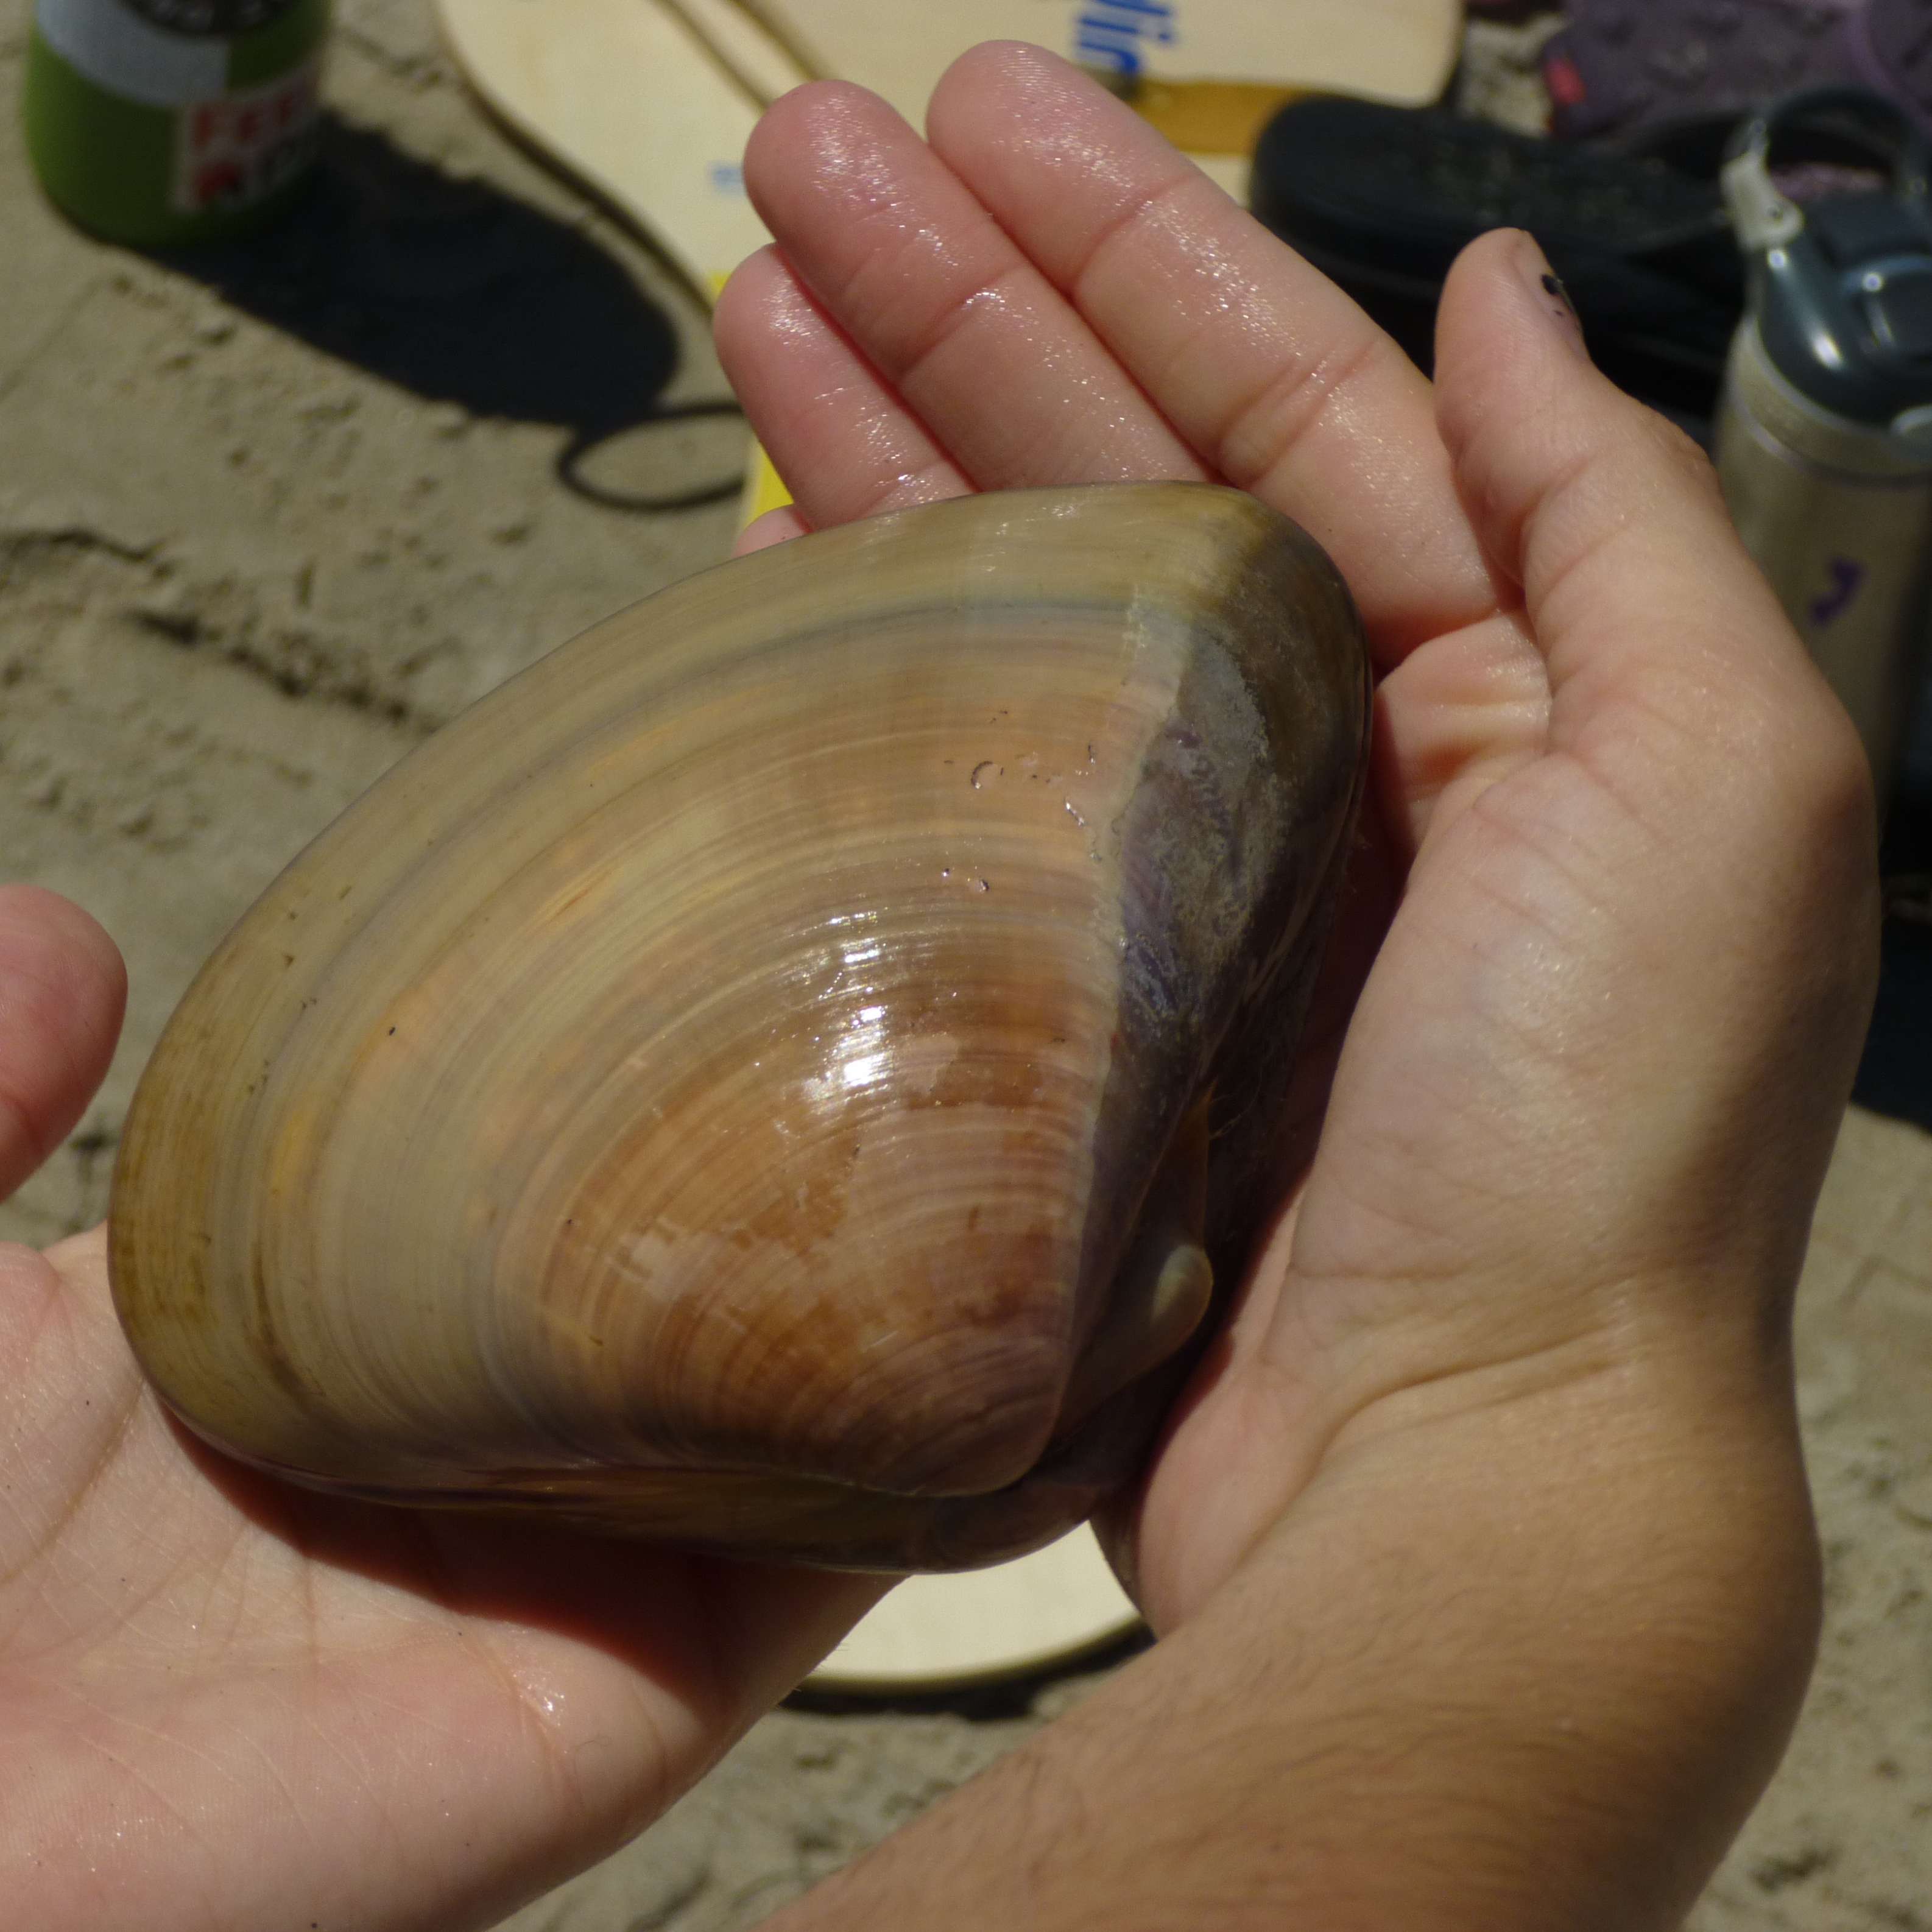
x,y
462,294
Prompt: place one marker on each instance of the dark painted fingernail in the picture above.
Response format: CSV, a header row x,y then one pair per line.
x,y
1551,297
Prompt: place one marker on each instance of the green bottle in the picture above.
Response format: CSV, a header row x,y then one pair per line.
x,y
163,122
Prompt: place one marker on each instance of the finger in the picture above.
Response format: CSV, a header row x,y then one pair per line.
x,y
1663,642
1276,380
961,326
62,991
846,446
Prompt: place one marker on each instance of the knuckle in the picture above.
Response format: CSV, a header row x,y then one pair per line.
x,y
1821,769
1838,799
1683,457
1815,802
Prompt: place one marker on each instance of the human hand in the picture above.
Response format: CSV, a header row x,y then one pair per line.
x,y
1502,1419
230,1705
216,1684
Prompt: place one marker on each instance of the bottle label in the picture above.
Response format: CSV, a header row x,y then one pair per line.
x,y
231,151
228,133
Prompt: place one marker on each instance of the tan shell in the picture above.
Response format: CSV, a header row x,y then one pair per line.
x,y
750,1079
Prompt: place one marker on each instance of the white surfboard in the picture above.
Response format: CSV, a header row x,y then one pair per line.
x,y
1396,50
744,46
1035,1614
649,103
622,94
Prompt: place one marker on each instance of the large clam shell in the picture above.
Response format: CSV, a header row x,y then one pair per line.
x,y
766,1077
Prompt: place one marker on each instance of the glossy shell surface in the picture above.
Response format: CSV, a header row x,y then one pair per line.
x,y
780,1074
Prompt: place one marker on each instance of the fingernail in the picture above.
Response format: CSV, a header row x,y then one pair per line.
x,y
1550,296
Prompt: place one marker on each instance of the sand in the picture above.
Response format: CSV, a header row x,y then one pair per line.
x,y
265,523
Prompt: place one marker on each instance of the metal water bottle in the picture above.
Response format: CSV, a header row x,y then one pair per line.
x,y
160,122
1824,439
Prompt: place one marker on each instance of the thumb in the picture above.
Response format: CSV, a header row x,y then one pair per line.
x,y
1701,806
62,988
1665,650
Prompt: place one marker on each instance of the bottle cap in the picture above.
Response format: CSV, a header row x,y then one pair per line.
x,y
1841,286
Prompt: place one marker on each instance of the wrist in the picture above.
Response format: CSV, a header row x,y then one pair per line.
x,y
1492,1670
